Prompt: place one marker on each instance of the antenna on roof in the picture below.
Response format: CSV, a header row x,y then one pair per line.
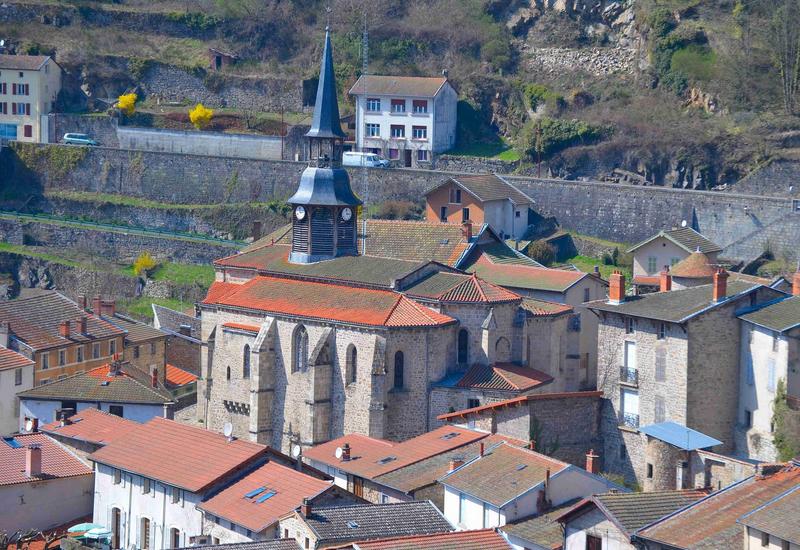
x,y
227,431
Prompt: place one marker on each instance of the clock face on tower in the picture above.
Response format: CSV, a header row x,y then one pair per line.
x,y
347,214
300,212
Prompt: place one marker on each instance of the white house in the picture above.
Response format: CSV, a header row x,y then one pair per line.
x,y
508,483
29,86
42,484
405,118
770,352
16,375
118,388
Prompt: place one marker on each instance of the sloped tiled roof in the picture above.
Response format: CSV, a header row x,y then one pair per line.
x,y
675,306
10,359
543,308
778,517
343,524
455,287
277,544
532,278
171,320
488,187
35,321
135,331
331,302
371,457
503,473
92,425
685,237
57,462
543,529
290,487
22,62
503,377
712,522
177,377
178,454
780,316
482,539
500,253
632,511
242,326
516,401
131,385
695,266
406,86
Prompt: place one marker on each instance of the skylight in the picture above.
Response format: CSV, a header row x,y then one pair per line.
x,y
387,459
521,467
450,435
266,496
254,492
11,442
353,524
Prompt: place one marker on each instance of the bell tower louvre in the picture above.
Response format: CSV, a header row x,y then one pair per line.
x,y
324,207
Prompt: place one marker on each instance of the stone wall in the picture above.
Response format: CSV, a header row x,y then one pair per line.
x,y
101,128
473,165
779,178
215,144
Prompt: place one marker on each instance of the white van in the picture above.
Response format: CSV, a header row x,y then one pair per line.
x,y
364,159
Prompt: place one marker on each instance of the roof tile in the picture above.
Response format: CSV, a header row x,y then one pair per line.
x,y
177,377
22,62
57,462
780,316
490,187
483,539
92,425
778,518
407,86
12,360
503,377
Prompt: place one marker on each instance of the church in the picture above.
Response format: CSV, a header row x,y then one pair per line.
x,y
338,325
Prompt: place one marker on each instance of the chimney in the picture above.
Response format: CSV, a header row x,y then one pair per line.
x,y
33,460
665,282
720,285
97,303
592,462
108,307
115,366
455,463
63,329
185,330
596,270
345,452
467,229
482,448
305,508
82,301
256,230
532,445
154,378
616,288
82,325
547,482
766,469
796,284
5,331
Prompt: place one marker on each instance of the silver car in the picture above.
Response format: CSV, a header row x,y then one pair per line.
x,y
79,139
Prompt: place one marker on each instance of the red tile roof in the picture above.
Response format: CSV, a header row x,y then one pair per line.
x,y
370,457
648,280
326,301
57,462
242,326
504,377
695,266
711,522
92,425
474,289
178,377
517,401
524,276
482,539
184,456
12,360
543,308
290,487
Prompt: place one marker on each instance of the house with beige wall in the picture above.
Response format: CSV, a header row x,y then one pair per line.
x,y
29,87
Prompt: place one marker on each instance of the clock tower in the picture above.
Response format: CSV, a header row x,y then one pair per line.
x,y
324,207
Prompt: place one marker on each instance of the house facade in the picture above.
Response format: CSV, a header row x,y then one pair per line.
x,y
405,119
670,356
485,198
16,375
29,87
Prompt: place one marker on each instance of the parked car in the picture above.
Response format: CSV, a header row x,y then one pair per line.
x,y
79,139
364,159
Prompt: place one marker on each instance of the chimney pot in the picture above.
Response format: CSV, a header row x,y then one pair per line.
x,y
532,445
796,284
346,452
82,327
97,305
305,508
185,330
482,448
154,378
592,462
63,328
616,288
454,463
33,460
108,307
467,229
665,281
720,285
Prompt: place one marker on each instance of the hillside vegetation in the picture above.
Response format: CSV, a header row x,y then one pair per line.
x,y
689,93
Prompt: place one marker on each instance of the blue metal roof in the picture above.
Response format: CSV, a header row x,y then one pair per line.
x,y
325,122
680,436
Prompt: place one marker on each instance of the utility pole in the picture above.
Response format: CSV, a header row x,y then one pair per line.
x,y
361,126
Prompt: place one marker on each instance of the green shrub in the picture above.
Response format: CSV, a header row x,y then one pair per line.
x,y
696,61
195,20
538,94
661,22
542,252
138,66
497,52
558,134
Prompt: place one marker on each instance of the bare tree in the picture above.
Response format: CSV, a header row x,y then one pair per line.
x,y
784,30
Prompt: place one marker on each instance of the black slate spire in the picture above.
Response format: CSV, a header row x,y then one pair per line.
x,y
326,123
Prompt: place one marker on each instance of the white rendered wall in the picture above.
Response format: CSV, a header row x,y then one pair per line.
x,y
9,416
46,504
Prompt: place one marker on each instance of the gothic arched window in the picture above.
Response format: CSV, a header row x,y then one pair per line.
x,y
228,373
351,368
300,349
399,366
246,362
463,346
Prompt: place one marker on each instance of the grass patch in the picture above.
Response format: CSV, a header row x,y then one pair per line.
x,y
180,274
33,253
498,150
698,62
587,263
140,308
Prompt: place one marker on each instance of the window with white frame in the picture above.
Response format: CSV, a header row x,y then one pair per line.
x,y
373,104
422,155
462,507
18,377
420,106
398,105
652,265
96,351
45,360
419,132
372,130
398,131
117,476
146,486
79,356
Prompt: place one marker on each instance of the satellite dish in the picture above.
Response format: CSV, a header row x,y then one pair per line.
x,y
29,425
296,450
683,223
227,429
338,452
2,43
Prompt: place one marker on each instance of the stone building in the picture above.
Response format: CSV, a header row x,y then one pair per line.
x,y
670,356
324,331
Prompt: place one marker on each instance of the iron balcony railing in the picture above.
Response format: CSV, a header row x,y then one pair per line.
x,y
628,376
629,419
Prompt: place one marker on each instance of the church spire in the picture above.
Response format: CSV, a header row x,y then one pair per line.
x,y
326,123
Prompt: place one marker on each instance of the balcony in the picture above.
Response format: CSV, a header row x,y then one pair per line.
x,y
629,420
629,376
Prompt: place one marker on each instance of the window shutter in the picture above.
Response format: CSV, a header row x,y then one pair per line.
x,y
14,88
28,109
13,108
138,532
109,518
